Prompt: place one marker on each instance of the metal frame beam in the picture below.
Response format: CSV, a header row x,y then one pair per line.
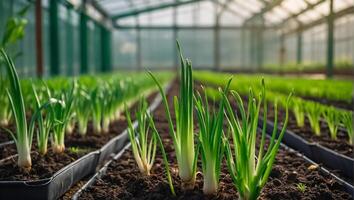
x,y
39,39
152,8
267,8
346,11
99,8
54,37
309,7
299,47
330,41
83,40
217,37
70,44
170,27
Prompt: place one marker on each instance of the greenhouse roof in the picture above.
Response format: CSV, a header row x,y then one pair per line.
x,y
228,12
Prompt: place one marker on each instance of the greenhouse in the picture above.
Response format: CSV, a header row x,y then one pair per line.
x,y
176,99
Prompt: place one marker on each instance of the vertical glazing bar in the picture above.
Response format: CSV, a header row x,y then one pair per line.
x,y
174,38
39,49
70,42
299,47
243,49
83,41
217,40
330,41
54,37
138,45
106,49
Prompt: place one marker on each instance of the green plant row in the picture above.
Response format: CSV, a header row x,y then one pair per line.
x,y
342,63
55,105
301,108
332,89
235,143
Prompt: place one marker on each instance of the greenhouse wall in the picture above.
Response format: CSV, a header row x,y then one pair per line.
x,y
233,46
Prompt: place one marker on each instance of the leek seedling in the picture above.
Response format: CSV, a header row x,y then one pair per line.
x,y
301,187
144,151
97,99
24,133
211,142
347,120
44,124
183,136
248,172
71,124
82,112
332,117
299,112
61,112
107,108
5,112
314,112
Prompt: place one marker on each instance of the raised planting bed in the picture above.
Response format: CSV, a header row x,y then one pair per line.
x,y
53,174
334,154
121,178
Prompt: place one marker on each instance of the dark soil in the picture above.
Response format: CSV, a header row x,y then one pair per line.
x,y
124,181
45,167
5,136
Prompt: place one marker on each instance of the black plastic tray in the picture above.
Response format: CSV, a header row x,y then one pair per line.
x,y
316,152
55,186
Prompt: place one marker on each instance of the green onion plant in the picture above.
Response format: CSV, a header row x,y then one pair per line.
x,y
144,151
62,113
97,102
211,143
248,171
314,112
347,121
82,110
332,117
24,132
299,111
183,136
44,121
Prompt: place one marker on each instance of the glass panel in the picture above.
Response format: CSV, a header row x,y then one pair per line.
x,y
124,49
185,15
198,46
294,6
231,49
161,55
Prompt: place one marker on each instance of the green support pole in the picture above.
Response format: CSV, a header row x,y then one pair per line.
x,y
70,43
330,41
260,48
260,45
299,48
83,43
106,57
217,47
251,49
54,38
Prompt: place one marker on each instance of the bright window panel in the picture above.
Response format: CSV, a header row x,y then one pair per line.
x,y
230,19
130,21
294,6
185,15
